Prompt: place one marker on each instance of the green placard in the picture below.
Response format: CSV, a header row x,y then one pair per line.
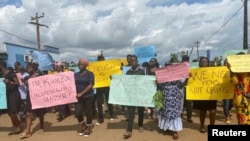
x,y
3,103
132,90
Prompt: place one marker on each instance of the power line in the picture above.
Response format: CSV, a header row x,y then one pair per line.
x,y
215,32
17,36
223,25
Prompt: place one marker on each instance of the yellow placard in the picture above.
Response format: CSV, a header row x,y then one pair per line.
x,y
124,62
103,70
210,83
239,63
54,72
50,71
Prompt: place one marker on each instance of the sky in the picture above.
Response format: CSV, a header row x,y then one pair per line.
x,y
84,28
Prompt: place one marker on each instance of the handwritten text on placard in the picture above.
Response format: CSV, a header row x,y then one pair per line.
x,y
51,90
239,63
133,90
210,83
102,71
172,72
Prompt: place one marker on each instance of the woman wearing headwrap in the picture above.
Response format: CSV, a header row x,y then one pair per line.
x,y
84,81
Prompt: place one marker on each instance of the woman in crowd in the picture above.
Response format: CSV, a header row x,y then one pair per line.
x,y
32,69
84,81
169,117
188,104
227,104
13,97
22,90
63,110
153,65
101,95
205,105
241,95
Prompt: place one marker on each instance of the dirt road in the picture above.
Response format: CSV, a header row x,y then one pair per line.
x,y
66,130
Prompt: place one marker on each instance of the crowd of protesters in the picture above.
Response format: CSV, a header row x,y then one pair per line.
x,y
89,99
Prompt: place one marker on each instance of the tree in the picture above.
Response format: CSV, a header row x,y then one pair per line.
x,y
173,58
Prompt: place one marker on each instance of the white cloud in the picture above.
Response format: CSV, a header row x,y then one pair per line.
x,y
81,28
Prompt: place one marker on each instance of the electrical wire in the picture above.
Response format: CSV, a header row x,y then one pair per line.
x,y
17,36
223,24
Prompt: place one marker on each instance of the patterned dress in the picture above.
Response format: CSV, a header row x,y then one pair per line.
x,y
169,117
242,97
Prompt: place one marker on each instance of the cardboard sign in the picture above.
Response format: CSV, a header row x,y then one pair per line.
x,y
210,83
132,90
53,89
172,72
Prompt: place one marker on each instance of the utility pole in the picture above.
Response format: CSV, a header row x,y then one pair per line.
x,y
36,18
101,52
197,45
245,38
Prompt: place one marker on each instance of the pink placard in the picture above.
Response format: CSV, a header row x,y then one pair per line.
x,y
172,72
19,77
53,89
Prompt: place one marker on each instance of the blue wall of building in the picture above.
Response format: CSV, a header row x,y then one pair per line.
x,y
17,53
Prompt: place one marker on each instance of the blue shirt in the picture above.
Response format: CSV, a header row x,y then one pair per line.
x,y
83,81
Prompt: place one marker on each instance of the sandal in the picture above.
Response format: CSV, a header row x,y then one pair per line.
x,y
25,135
127,135
175,136
40,131
202,130
12,133
15,132
19,131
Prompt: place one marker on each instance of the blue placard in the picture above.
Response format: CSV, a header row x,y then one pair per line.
x,y
145,51
125,69
44,60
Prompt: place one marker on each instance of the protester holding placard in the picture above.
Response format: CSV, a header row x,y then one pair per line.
x,y
205,105
99,96
21,74
32,69
84,81
135,70
129,56
13,96
63,110
241,94
169,116
129,62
